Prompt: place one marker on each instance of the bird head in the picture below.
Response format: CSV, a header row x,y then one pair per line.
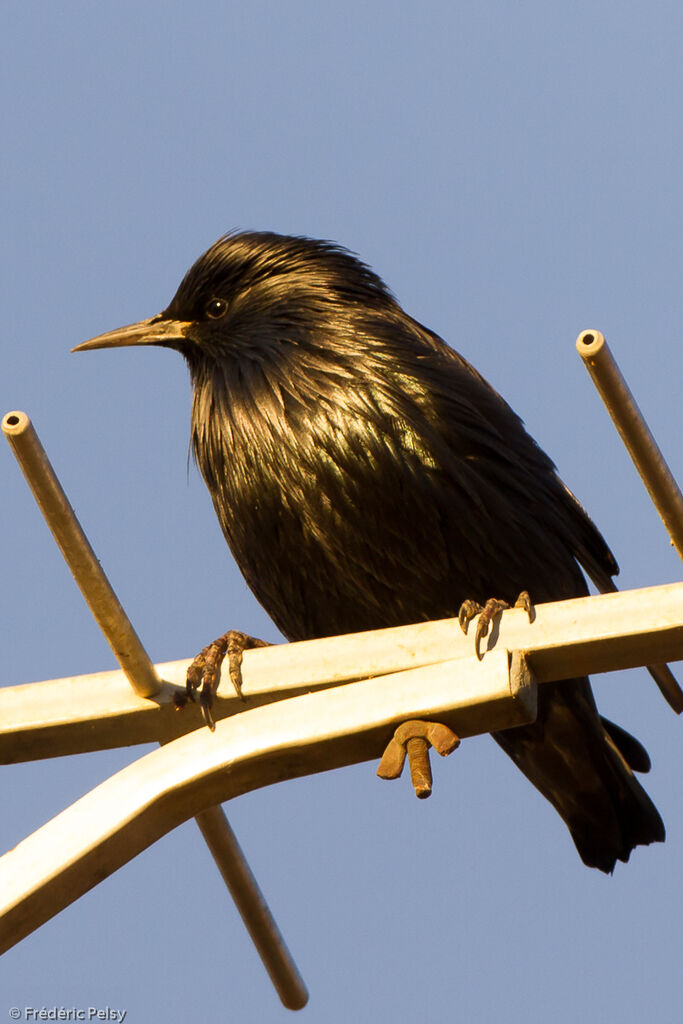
x,y
252,292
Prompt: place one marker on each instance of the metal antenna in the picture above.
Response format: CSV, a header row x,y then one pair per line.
x,y
142,676
648,460
333,702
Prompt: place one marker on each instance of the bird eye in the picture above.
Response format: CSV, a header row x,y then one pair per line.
x,y
216,308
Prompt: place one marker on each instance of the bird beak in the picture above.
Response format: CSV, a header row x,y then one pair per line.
x,y
156,331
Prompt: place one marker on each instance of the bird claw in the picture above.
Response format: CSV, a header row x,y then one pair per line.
x,y
414,739
524,601
205,670
487,613
468,610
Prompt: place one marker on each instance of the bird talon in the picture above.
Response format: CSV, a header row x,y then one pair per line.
x,y
487,614
482,631
203,675
193,679
524,601
205,704
468,611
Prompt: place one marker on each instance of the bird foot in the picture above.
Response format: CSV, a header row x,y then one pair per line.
x,y
205,670
487,613
414,738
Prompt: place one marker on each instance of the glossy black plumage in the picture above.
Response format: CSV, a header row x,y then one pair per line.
x,y
365,475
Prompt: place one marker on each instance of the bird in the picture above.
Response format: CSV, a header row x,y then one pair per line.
x,y
365,475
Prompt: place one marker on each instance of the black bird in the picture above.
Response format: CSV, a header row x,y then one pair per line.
x,y
365,475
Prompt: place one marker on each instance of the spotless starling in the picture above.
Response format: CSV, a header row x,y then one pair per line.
x,y
365,475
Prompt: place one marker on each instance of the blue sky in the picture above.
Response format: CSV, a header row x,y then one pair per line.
x,y
513,171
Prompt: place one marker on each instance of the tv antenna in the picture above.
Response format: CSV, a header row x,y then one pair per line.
x,y
310,706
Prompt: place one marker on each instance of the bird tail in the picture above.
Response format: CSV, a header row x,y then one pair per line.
x,y
637,819
584,765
